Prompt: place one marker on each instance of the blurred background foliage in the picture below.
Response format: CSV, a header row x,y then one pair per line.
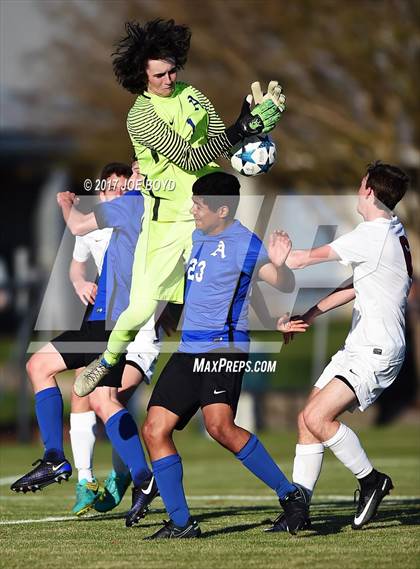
x,y
350,71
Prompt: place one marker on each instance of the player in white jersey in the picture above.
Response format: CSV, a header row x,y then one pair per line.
x,y
373,353
140,360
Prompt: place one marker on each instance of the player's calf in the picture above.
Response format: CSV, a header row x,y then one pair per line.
x,y
219,423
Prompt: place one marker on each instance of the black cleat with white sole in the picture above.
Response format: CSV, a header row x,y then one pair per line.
x,y
46,472
370,498
172,531
142,496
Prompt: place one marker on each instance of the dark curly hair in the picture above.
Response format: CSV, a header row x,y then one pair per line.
x,y
158,39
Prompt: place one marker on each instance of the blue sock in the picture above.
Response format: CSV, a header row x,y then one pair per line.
x,y
255,457
168,473
124,436
49,414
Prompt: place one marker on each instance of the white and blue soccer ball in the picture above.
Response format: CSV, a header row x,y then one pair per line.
x,y
253,156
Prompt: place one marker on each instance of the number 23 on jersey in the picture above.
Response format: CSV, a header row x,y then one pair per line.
x,y
195,270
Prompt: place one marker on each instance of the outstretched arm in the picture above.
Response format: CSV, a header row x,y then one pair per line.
x,y
79,223
340,296
301,258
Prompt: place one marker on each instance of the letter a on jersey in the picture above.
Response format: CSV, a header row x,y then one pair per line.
x,y
220,249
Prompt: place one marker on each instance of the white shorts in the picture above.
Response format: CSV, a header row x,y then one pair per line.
x,y
143,351
368,373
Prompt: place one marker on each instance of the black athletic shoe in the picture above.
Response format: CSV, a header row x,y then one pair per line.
x,y
296,509
171,531
45,473
280,524
369,500
142,496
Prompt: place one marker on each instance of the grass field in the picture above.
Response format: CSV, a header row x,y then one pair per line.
x,y
232,508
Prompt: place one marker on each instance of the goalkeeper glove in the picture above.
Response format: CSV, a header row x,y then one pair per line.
x,y
264,116
262,119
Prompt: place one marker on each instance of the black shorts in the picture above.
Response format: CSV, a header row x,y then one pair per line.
x,y
191,381
79,347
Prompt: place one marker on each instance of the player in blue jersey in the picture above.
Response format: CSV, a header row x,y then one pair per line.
x,y
207,369
124,214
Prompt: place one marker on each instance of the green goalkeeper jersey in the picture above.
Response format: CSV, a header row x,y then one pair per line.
x,y
175,140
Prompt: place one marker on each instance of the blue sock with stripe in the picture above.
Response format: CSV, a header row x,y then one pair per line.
x,y
256,458
49,414
168,473
124,436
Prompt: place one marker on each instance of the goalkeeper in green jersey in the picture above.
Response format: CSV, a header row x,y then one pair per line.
x,y
176,134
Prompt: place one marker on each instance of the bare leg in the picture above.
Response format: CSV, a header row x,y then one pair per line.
x,y
219,422
43,366
157,432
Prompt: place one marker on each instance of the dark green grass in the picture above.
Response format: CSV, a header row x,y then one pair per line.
x,y
232,526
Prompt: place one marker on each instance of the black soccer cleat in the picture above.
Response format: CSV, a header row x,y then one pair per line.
x,y
45,473
280,524
172,531
296,509
369,500
142,496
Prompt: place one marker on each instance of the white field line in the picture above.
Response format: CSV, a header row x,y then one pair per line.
x,y
231,497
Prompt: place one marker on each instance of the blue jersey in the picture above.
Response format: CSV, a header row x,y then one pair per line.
x,y
219,277
124,215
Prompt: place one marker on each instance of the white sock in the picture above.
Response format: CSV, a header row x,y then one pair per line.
x,y
82,437
346,446
118,465
307,465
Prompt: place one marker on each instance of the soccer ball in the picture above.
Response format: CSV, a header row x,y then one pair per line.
x,y
255,155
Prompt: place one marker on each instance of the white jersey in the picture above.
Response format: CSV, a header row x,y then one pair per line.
x,y
92,244
379,254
